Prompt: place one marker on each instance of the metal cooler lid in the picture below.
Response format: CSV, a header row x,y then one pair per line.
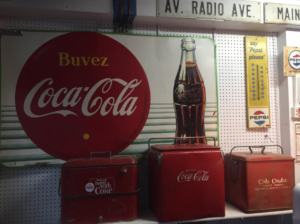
x,y
183,147
100,161
258,156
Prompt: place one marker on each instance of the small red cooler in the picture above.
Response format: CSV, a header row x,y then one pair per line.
x,y
186,181
259,181
99,190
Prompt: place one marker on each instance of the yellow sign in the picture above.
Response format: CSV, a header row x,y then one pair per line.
x,y
257,82
291,61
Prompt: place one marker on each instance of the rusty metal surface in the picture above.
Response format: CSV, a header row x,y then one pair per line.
x,y
259,186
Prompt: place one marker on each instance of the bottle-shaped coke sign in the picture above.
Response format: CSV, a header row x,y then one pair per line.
x,y
189,95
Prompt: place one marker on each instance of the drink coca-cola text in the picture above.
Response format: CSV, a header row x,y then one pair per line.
x,y
124,104
101,186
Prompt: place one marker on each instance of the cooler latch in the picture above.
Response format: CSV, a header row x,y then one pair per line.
x,y
234,171
159,159
123,171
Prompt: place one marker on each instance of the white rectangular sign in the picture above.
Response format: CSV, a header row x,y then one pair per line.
x,y
282,13
246,11
160,59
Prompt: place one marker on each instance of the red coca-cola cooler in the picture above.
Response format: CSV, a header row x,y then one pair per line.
x,y
100,103
259,181
99,189
186,181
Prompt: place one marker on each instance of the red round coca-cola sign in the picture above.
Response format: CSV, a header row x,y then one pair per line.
x,y
80,93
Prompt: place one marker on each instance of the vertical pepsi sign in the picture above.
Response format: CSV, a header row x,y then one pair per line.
x,y
257,82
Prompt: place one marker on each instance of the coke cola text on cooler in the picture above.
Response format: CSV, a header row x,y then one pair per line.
x,y
274,181
189,96
193,176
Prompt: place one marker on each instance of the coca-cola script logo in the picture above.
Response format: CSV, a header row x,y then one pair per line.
x,y
188,94
81,93
193,175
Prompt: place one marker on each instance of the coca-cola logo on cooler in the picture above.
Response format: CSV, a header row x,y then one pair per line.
x,y
80,93
193,175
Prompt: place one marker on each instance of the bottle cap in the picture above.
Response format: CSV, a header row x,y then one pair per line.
x,y
188,44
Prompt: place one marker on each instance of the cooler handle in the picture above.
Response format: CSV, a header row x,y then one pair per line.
x,y
149,145
251,152
264,147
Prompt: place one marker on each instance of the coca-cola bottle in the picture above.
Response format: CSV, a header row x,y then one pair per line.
x,y
189,96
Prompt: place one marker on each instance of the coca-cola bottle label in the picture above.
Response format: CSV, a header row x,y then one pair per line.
x,y
188,94
80,93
